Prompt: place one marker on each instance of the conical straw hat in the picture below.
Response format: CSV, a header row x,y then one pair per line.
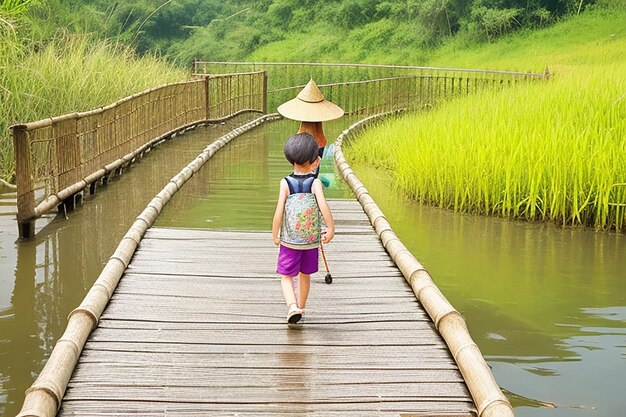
x,y
310,106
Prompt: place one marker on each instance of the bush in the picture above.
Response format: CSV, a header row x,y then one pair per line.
x,y
441,18
493,23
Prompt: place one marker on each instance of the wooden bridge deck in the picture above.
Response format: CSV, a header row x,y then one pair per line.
x,y
197,327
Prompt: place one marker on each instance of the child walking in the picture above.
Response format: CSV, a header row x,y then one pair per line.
x,y
297,225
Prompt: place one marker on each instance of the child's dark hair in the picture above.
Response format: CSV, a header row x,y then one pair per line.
x,y
301,148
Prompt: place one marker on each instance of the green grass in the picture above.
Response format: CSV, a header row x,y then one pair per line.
x,y
324,42
69,74
553,151
590,39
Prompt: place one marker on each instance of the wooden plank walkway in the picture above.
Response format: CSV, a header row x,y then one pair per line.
x,y
197,327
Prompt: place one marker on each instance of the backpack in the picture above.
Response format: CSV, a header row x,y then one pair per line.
x,y
301,219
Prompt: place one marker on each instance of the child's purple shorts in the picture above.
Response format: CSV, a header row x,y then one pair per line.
x,y
293,261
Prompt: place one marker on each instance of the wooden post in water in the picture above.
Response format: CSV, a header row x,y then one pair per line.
x,y
207,101
264,92
25,193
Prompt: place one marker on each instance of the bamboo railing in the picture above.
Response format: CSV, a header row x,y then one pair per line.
x,y
487,396
371,89
434,83
58,157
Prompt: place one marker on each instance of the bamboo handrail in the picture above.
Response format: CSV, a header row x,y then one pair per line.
x,y
381,66
49,121
328,85
487,396
43,398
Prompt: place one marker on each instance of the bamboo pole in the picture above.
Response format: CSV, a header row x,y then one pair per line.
x,y
487,396
366,66
24,182
43,398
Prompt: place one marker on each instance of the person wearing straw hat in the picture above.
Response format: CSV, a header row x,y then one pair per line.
x,y
310,108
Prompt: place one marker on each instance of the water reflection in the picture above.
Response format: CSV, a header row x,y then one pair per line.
x,y
545,304
295,377
42,280
238,187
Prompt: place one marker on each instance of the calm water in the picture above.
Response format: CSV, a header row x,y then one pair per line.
x,y
546,305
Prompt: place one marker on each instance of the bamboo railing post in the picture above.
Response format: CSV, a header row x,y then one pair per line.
x,y
67,158
24,182
207,100
264,97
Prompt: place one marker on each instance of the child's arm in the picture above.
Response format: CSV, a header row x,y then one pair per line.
x,y
280,208
318,190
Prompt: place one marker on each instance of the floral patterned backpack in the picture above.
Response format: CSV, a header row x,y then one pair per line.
x,y
301,221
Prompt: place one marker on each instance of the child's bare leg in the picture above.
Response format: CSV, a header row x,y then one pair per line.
x,y
304,284
286,284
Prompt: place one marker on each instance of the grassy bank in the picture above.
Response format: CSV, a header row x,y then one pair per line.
x,y
550,151
73,73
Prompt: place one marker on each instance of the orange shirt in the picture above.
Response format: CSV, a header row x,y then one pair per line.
x,y
314,129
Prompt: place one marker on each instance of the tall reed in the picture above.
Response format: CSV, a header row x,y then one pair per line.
x,y
553,150
68,74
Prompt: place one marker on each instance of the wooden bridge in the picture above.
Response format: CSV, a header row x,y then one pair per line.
x,y
191,322
203,332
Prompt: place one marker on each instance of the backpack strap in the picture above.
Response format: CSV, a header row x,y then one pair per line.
x,y
293,184
300,184
307,184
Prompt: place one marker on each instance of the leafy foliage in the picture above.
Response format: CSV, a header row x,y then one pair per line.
x,y
184,30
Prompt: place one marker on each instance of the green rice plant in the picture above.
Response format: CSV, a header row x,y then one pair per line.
x,y
69,74
551,150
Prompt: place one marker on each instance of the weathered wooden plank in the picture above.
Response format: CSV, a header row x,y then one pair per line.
x,y
316,278
367,326
343,234
198,254
191,286
245,350
397,408
318,359
218,267
282,389
263,377
349,308
315,334
233,317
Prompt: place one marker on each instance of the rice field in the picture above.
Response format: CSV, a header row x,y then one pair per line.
x,y
549,151
69,74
